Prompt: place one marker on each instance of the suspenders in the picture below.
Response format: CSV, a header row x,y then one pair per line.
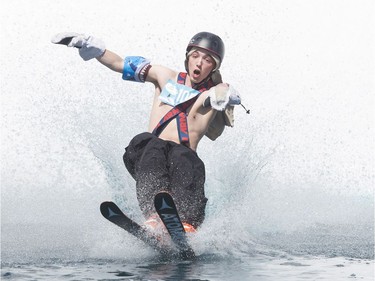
x,y
179,113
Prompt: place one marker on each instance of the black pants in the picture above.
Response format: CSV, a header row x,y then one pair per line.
x,y
159,165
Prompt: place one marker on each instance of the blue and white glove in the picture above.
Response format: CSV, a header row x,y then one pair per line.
x,y
222,96
89,46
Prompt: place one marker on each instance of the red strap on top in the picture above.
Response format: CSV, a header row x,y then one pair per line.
x,y
179,112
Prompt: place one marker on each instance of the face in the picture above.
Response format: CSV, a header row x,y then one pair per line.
x,y
200,65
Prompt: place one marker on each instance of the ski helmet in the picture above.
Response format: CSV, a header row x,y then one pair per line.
x,y
210,42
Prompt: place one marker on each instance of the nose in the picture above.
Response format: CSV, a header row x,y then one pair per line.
x,y
199,62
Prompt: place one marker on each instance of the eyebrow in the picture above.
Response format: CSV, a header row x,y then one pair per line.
x,y
208,56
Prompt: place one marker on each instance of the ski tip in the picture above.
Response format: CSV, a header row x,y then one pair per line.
x,y
106,204
108,209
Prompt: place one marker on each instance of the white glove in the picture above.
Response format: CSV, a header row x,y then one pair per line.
x,y
89,46
221,96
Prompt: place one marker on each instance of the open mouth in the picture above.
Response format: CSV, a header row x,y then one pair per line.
x,y
197,72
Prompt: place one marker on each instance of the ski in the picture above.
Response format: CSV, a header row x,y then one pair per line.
x,y
168,213
113,213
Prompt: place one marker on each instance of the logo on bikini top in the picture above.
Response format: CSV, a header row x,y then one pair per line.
x,y
175,94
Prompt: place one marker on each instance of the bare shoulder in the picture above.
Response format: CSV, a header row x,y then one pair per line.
x,y
159,75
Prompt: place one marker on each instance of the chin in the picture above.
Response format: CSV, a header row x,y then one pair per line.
x,y
196,80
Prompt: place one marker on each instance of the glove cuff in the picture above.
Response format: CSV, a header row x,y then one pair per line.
x,y
92,48
219,97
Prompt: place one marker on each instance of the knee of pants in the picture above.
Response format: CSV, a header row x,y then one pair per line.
x,y
129,163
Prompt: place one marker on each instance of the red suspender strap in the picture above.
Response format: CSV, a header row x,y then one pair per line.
x,y
179,112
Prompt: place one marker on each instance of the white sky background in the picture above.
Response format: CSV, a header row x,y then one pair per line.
x,y
304,68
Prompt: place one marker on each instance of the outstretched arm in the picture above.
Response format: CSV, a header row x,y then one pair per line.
x,y
133,68
90,47
112,61
159,75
